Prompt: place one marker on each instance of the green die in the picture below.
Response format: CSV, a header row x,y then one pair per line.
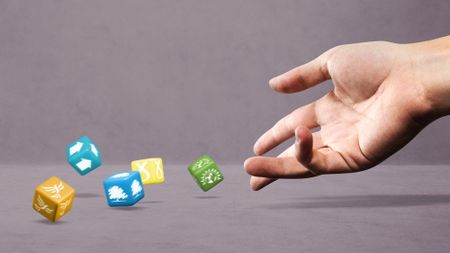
x,y
205,172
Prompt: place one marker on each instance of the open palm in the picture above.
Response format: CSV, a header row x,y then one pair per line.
x,y
370,114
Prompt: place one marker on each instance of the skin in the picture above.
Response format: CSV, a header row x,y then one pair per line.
x,y
384,94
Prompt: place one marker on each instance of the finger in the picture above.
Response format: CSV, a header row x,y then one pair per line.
x,y
303,144
279,167
302,77
284,128
284,166
257,183
318,161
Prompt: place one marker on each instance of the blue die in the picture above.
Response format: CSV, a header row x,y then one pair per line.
x,y
83,155
123,189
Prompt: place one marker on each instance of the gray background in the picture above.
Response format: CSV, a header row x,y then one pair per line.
x,y
180,78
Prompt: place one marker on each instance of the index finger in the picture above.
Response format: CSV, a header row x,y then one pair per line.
x,y
285,128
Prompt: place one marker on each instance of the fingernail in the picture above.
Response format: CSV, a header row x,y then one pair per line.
x,y
272,81
245,163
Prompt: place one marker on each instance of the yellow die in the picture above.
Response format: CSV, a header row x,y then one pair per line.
x,y
151,170
53,198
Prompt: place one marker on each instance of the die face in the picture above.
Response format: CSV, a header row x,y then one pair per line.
x,y
64,206
43,205
209,177
200,163
56,189
123,189
83,155
84,162
53,198
206,173
150,169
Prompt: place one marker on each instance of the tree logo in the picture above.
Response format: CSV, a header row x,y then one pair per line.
x,y
136,188
117,194
119,175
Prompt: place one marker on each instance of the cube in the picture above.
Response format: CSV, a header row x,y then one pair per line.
x,y
123,189
83,155
151,170
53,198
205,172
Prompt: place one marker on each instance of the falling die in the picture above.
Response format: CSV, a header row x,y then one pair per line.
x,y
53,198
151,170
205,172
83,155
123,189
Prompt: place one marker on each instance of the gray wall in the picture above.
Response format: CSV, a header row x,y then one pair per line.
x,y
180,78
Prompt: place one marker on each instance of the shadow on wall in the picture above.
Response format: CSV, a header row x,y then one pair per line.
x,y
364,201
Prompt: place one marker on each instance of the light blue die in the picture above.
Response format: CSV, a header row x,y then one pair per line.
x,y
123,189
83,155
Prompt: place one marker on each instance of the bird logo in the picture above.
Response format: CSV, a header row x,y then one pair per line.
x,y
41,205
63,206
55,190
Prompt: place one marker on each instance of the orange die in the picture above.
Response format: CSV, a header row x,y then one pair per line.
x,y
53,198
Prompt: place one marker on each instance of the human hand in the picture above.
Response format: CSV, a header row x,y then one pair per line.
x,y
380,101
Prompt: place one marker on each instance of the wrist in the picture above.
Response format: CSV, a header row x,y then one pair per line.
x,y
430,61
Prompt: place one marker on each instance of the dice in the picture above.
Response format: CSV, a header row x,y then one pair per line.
x,y
53,198
205,172
151,170
123,189
83,155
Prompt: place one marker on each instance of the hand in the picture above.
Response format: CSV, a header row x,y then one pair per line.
x,y
378,104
